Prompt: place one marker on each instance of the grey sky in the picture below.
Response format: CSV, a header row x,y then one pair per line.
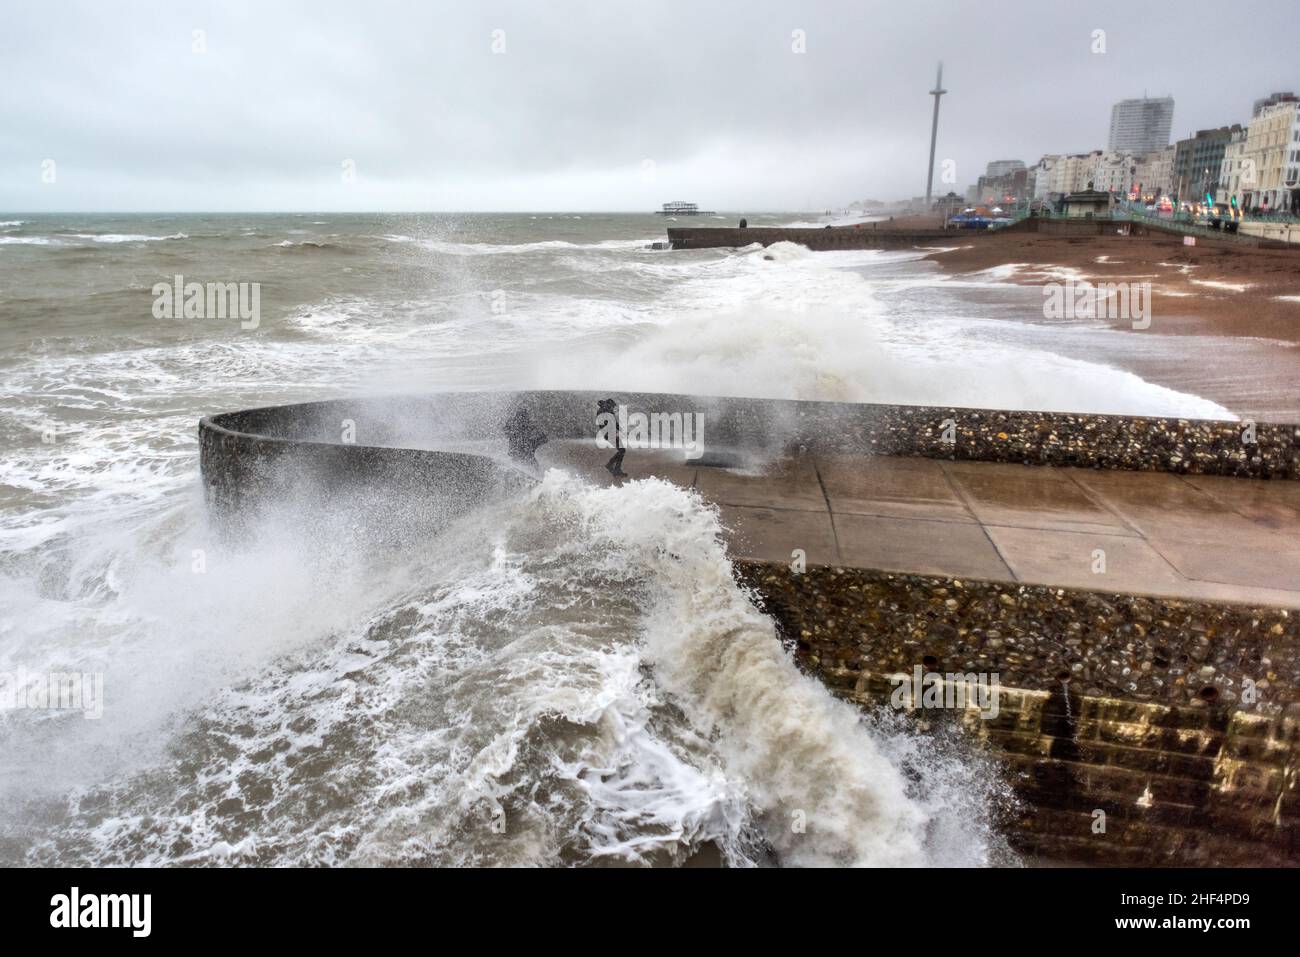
x,y
585,93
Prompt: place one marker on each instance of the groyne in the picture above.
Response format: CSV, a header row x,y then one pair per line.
x,y
883,236
867,236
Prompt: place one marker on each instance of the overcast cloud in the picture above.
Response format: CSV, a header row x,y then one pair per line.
x,y
586,96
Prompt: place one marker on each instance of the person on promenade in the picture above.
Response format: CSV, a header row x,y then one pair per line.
x,y
523,438
615,464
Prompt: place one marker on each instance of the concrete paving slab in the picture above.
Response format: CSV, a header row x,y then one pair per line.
x,y
892,486
1274,505
1032,497
1163,505
1054,557
1252,567
772,535
788,484
956,549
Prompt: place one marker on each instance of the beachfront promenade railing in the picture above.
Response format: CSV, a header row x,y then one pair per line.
x,y
1184,223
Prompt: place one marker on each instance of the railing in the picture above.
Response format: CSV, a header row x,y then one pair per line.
x,y
1286,219
1184,223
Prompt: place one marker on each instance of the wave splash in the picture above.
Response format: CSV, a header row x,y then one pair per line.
x,y
515,696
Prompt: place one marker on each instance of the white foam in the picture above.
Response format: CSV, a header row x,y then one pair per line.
x,y
782,322
126,237
451,248
1217,284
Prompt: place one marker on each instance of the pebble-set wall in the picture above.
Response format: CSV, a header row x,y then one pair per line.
x,y
1193,654
1177,720
1203,446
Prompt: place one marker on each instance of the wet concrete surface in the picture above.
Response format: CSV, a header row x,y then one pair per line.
x,y
1144,533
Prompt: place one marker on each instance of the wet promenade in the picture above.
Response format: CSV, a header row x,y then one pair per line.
x,y
1149,533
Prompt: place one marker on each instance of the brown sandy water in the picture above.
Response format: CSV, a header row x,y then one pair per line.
x,y
1225,322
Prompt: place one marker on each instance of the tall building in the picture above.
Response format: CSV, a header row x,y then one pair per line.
x,y
1141,125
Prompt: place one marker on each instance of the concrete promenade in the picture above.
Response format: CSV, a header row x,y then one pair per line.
x,y
1147,533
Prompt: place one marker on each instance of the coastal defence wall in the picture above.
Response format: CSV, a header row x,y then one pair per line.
x,y
1120,727
1268,235
1106,702
1274,233
818,240
1250,233
453,442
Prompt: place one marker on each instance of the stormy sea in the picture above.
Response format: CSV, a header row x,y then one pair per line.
x,y
571,676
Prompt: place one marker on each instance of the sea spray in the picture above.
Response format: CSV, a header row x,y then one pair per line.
x,y
571,677
816,781
850,326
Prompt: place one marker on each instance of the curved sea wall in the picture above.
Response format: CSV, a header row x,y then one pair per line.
x,y
335,436
1125,709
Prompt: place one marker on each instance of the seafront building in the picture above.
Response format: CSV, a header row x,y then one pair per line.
x,y
1004,181
1198,160
1113,172
1154,174
1232,170
1271,100
998,168
1271,158
1141,125
1254,167
1040,177
1061,174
